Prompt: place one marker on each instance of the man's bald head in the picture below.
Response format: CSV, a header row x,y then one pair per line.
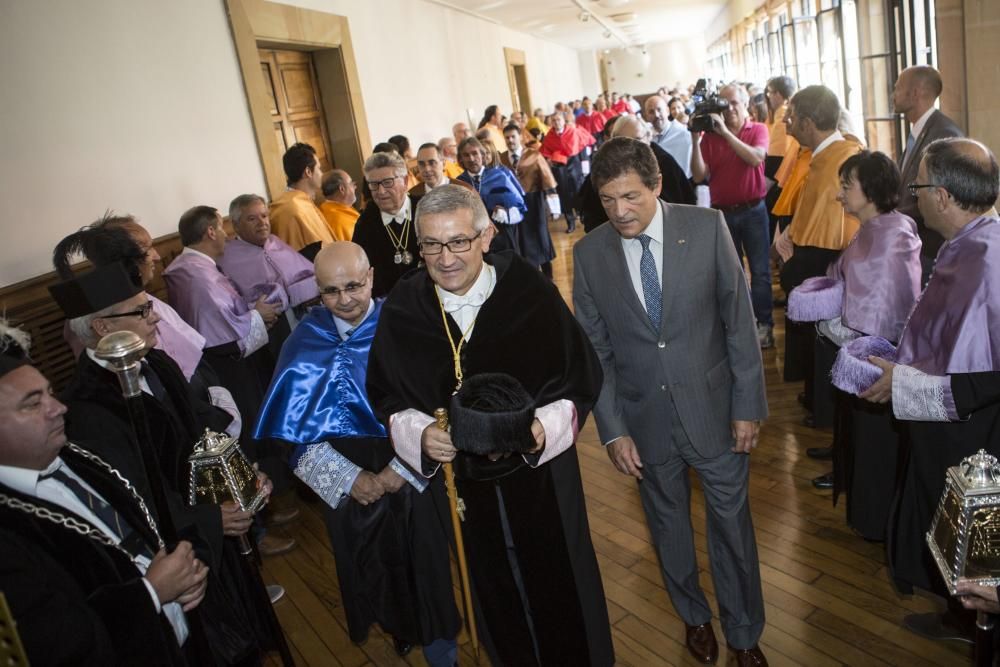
x,y
926,79
344,277
632,127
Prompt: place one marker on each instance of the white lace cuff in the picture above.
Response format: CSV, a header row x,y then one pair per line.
x,y
555,208
327,472
257,338
222,399
559,421
405,429
515,215
917,396
404,472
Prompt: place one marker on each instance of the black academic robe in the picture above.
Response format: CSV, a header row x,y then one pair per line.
x,y
97,413
933,447
77,601
392,556
676,189
370,233
569,178
525,330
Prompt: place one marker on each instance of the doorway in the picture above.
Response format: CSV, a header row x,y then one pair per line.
x,y
296,105
517,78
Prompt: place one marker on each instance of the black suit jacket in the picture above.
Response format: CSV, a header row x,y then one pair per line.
x,y
77,601
938,126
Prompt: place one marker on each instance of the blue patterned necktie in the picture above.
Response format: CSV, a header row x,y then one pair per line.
x,y
651,292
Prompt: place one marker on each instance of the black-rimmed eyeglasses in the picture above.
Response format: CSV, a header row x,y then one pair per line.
x,y
384,184
913,187
454,245
350,289
141,313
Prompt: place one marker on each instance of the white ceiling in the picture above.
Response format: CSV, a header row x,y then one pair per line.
x,y
560,21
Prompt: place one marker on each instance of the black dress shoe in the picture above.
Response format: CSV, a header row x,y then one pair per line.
x,y
824,481
801,398
809,421
701,644
402,646
820,453
940,627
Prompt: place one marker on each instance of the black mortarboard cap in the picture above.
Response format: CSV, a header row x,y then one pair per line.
x,y
94,290
492,413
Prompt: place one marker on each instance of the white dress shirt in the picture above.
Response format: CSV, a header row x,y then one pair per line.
x,y
401,215
633,253
836,136
464,308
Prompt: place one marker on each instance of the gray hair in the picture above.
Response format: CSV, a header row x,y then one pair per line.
x,y
741,92
449,198
380,160
332,182
645,132
240,204
82,326
972,181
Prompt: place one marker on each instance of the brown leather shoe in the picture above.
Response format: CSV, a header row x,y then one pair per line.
x,y
272,545
701,643
749,657
281,517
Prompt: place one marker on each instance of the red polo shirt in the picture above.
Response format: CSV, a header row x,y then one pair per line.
x,y
731,180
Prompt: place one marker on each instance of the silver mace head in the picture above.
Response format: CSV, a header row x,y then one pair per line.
x,y
123,350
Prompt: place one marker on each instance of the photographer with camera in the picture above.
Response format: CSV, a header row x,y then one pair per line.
x,y
728,152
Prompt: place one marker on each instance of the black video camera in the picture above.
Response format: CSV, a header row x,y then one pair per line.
x,y
705,103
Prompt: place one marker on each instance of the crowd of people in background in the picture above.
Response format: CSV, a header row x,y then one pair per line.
x,y
310,327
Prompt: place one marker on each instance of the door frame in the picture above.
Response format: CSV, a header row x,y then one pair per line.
x,y
516,57
261,24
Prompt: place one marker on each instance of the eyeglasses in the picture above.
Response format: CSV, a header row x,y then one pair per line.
x,y
913,187
384,184
455,245
350,289
142,313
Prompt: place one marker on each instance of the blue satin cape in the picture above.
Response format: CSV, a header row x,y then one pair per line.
x,y
318,389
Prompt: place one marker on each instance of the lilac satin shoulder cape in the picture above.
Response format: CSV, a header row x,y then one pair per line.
x,y
955,326
318,390
881,273
207,299
177,338
274,269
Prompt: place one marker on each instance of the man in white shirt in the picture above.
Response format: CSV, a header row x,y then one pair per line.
x,y
80,555
914,95
668,134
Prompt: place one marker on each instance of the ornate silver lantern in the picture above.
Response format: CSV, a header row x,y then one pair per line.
x,y
220,472
965,533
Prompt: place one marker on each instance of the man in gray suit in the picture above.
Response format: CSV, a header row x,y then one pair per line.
x,y
662,296
916,90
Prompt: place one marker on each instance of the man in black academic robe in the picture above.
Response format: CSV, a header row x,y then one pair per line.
x,y
532,564
385,227
240,620
75,588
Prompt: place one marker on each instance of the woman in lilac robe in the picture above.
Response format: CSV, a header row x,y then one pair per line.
x,y
880,275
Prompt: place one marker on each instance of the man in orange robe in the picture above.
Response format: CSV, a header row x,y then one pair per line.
x,y
295,218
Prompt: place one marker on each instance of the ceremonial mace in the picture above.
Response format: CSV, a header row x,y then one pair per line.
x,y
457,516
123,350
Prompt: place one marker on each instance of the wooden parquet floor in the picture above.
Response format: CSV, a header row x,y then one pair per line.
x,y
827,594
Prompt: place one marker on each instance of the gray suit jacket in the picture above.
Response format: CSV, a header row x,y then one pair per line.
x,y
706,356
938,126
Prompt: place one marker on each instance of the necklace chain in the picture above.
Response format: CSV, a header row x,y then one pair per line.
x,y
456,350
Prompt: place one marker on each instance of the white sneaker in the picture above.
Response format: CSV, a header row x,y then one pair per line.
x,y
765,336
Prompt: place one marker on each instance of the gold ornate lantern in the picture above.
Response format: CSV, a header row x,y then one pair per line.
x,y
220,472
965,533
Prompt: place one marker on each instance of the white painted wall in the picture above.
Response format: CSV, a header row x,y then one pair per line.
x,y
663,64
442,62
590,73
732,14
138,105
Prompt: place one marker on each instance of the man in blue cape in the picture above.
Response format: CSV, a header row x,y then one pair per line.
x,y
390,543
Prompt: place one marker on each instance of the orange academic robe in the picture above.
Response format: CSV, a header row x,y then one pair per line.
x,y
340,218
819,219
296,220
